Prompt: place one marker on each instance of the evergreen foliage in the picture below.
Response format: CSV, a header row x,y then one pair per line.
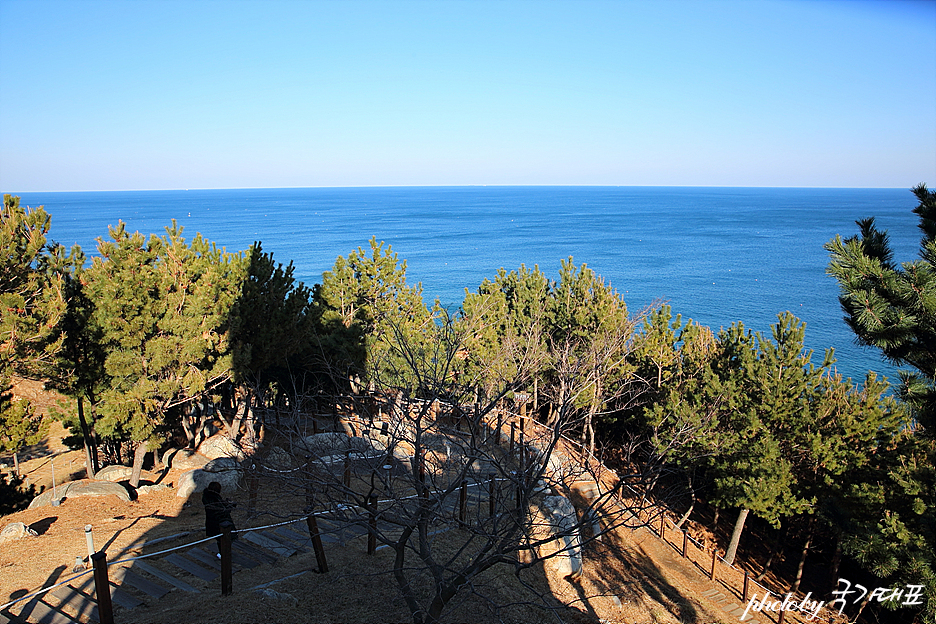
x,y
14,496
31,308
891,307
364,303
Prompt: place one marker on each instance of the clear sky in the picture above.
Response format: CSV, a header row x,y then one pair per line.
x,y
201,94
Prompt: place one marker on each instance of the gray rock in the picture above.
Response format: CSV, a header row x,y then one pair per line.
x,y
560,514
146,489
113,473
83,487
332,443
220,445
269,594
222,470
279,459
184,459
15,531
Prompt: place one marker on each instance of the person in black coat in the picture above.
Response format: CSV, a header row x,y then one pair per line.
x,y
217,510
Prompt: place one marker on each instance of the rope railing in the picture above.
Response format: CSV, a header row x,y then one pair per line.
x,y
44,590
579,453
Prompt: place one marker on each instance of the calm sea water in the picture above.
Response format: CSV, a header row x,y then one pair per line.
x,y
717,255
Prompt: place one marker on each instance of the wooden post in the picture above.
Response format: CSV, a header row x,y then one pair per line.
x,y
519,489
372,522
317,543
463,502
512,435
227,570
663,527
522,453
744,591
714,556
491,499
685,542
102,588
500,425
780,619
347,469
252,487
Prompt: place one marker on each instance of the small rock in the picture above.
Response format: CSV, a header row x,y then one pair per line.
x,y
270,594
15,531
146,489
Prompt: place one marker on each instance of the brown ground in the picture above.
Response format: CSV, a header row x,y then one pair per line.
x,y
632,578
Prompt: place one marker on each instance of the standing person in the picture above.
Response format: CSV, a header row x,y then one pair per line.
x,y
217,510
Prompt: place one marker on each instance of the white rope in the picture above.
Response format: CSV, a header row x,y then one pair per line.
x,y
161,552
44,589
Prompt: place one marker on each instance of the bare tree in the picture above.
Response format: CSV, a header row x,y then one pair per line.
x,y
445,477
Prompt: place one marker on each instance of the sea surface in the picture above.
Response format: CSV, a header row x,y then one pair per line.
x,y
716,255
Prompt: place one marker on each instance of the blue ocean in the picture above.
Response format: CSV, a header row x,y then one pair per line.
x,y
716,255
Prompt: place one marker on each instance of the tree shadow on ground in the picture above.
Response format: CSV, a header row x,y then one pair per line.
x,y
43,525
629,575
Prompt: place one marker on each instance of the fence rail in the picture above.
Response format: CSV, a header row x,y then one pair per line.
x,y
495,421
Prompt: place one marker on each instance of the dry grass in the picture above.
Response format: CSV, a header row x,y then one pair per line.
x,y
631,576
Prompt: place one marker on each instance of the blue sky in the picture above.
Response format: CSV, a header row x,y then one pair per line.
x,y
202,94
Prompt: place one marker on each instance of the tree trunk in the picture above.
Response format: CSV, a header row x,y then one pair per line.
x,y
802,562
834,568
16,463
234,429
188,424
200,427
692,502
736,536
777,548
715,520
138,455
90,448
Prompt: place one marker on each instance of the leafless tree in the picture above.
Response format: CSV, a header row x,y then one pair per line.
x,y
448,478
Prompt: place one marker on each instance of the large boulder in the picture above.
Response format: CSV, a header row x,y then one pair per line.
x,y
15,531
220,445
225,470
279,459
561,518
335,443
113,473
83,487
184,459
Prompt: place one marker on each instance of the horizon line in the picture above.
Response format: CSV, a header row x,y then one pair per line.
x,y
374,186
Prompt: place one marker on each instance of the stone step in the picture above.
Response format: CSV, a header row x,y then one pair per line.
x,y
164,576
191,567
253,552
125,576
269,544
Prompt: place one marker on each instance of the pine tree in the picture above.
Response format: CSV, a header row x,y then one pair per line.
x,y
162,310
892,308
271,325
766,385
365,298
31,308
